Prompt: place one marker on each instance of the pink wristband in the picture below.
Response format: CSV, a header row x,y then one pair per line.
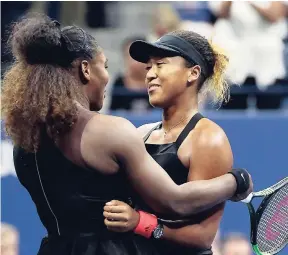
x,y
147,223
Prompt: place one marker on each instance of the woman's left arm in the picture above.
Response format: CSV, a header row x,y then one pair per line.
x,y
209,156
273,13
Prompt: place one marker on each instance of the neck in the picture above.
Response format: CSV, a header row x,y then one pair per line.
x,y
84,102
181,110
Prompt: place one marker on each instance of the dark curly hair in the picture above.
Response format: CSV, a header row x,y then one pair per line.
x,y
39,89
213,83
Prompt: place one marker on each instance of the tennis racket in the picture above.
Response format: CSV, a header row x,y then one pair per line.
x,y
269,223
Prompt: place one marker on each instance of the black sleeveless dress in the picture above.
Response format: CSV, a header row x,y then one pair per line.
x,y
70,200
166,156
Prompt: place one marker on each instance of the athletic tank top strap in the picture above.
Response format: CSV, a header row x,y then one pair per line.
x,y
191,124
149,133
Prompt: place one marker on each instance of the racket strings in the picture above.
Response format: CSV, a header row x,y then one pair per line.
x,y
272,232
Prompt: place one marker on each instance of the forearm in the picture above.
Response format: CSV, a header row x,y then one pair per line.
x,y
190,236
198,234
224,11
270,14
204,194
162,194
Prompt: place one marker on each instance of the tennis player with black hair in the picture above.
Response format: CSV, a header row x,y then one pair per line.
x,y
181,67
73,160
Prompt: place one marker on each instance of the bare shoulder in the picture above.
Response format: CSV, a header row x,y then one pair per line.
x,y
144,129
110,126
208,133
206,151
210,149
107,136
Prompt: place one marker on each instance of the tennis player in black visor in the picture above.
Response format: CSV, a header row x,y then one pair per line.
x,y
182,67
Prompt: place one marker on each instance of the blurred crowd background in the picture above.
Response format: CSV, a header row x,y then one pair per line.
x,y
253,34
255,37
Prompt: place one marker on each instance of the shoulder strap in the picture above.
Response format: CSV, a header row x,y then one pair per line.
x,y
191,124
149,133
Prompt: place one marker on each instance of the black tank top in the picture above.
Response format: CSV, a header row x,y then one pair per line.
x,y
166,156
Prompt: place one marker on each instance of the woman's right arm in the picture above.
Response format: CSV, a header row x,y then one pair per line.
x,y
221,9
152,182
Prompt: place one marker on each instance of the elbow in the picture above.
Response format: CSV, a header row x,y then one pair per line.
x,y
275,16
183,204
182,209
202,241
223,15
206,242
205,239
176,208
179,211
273,19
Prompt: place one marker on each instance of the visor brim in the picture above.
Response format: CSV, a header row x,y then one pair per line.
x,y
141,51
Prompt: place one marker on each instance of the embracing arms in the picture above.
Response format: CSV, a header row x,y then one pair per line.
x,y
127,149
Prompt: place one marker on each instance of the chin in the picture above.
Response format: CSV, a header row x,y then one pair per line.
x,y
156,103
96,107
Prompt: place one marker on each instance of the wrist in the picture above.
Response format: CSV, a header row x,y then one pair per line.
x,y
146,225
137,218
241,177
232,183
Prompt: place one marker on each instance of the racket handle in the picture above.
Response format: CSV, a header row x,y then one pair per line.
x,y
248,199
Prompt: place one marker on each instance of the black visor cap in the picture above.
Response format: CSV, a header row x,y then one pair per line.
x,y
141,51
167,46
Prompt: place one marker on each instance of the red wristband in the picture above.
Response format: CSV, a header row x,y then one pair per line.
x,y
146,225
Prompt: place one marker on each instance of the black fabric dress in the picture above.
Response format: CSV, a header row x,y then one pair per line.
x,y
70,200
166,156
